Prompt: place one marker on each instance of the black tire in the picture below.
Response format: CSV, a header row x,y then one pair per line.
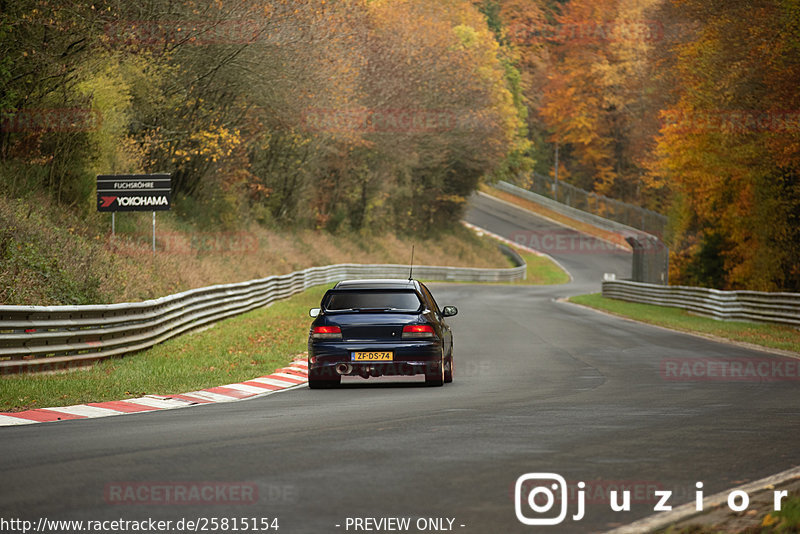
x,y
324,380
448,371
436,377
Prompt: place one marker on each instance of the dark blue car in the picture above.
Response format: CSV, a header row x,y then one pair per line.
x,y
372,328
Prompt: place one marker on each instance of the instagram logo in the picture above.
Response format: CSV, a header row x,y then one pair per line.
x,y
540,493
537,497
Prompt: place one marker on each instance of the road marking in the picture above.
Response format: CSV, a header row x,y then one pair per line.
x,y
7,420
286,376
266,387
274,382
86,411
191,399
164,404
212,396
290,377
293,371
44,415
123,406
253,390
229,392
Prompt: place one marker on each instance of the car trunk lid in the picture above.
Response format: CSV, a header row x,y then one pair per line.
x,y
364,326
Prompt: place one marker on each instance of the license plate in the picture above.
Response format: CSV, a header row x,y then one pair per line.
x,y
372,356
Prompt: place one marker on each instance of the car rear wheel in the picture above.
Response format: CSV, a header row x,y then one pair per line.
x,y
435,377
321,380
448,371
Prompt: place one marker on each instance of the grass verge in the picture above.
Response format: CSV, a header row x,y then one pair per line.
x,y
761,334
236,349
542,270
787,519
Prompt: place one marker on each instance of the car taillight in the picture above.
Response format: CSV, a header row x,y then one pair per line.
x,y
417,331
326,332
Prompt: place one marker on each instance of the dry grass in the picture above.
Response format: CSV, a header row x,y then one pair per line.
x,y
270,252
50,256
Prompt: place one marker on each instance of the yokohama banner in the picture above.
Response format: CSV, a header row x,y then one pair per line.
x,y
133,192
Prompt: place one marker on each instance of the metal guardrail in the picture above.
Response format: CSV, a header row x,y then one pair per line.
x,y
780,308
44,338
626,213
569,211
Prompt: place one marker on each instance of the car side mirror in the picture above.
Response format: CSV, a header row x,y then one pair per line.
x,y
314,312
449,311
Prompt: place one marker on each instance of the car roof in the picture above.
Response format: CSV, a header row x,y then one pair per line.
x,y
386,283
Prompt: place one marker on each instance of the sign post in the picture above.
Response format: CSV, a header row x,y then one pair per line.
x,y
134,192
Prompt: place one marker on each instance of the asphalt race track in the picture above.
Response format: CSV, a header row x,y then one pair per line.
x,y
540,386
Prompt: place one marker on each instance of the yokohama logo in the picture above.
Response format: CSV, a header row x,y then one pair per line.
x,y
143,201
135,201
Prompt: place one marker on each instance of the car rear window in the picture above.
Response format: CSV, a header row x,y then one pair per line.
x,y
361,300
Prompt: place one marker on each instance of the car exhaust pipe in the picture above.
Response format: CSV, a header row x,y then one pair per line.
x,y
344,368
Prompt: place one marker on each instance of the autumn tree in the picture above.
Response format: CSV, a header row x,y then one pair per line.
x,y
730,146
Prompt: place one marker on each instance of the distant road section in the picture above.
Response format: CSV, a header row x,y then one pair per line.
x,y
585,257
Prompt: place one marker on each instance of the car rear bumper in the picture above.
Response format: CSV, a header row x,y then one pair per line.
x,y
408,358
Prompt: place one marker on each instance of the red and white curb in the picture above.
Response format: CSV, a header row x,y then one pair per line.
x,y
295,374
